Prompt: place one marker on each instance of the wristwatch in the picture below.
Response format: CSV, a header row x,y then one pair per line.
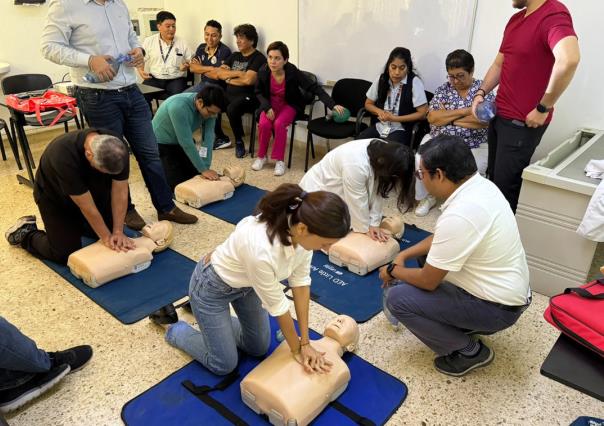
x,y
390,268
542,108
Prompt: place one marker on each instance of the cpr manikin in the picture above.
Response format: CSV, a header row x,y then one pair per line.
x,y
97,264
280,387
197,191
361,255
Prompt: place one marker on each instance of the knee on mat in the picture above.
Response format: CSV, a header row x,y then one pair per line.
x,y
222,366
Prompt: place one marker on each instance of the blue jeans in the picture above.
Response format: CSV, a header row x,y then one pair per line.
x,y
215,345
441,318
127,113
20,358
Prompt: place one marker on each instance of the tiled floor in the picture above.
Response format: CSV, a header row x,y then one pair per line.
x,y
130,359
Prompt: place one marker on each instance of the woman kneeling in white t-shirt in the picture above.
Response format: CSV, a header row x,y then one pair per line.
x,y
246,272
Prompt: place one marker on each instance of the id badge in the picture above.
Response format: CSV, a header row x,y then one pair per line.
x,y
385,131
203,151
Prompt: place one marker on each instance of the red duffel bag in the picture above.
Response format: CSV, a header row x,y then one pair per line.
x,y
48,101
579,313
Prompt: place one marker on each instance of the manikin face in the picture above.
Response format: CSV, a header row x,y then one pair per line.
x,y
343,329
276,62
211,36
397,70
167,29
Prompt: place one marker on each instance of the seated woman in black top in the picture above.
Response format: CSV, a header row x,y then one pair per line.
x,y
396,99
239,71
279,90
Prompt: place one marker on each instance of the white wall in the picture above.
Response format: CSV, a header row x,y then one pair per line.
x,y
580,105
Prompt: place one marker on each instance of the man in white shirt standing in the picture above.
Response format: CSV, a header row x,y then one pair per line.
x,y
475,279
168,57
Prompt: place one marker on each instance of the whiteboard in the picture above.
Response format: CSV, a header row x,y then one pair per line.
x,y
352,38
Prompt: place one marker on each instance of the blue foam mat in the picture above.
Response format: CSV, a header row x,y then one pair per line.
x,y
241,204
343,292
133,297
371,393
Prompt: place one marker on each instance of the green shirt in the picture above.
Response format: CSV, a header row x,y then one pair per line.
x,y
174,123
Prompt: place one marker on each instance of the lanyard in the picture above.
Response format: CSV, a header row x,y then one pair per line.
x,y
391,103
161,49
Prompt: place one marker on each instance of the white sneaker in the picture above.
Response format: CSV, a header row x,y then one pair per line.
x,y
258,163
424,206
279,168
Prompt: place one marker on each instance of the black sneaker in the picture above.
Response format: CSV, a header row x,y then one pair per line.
x,y
11,399
220,143
239,149
76,357
16,233
134,220
165,315
456,364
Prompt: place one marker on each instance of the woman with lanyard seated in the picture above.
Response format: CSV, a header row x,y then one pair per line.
x,y
246,272
396,99
451,114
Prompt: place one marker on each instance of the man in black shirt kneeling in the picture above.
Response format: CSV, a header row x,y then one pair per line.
x,y
81,189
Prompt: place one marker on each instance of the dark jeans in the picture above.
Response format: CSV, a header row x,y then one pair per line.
x,y
64,229
441,318
176,163
171,86
218,124
400,136
511,146
127,113
20,358
238,106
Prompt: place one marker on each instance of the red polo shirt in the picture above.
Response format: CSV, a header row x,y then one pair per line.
x,y
528,59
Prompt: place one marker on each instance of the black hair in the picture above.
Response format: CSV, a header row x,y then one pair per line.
x,y
212,94
248,31
393,165
109,153
214,24
383,85
451,155
281,47
163,16
460,59
324,213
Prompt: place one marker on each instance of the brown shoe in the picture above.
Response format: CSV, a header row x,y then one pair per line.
x,y
134,220
178,216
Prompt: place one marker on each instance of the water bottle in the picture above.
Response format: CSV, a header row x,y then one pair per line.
x,y
485,111
391,318
115,63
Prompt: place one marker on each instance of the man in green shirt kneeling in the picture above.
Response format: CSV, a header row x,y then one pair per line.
x,y
174,123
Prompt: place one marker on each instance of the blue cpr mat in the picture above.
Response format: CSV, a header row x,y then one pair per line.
x,y
133,297
371,393
241,204
343,292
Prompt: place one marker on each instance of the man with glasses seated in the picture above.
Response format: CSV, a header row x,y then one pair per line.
x,y
475,279
174,123
450,113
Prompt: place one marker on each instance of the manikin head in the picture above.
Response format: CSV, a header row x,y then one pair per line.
x,y
344,330
162,234
106,153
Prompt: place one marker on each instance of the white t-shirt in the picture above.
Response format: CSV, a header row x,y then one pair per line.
x,y
346,171
248,259
154,63
418,98
477,240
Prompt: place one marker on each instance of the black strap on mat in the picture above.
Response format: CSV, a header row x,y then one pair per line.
x,y
352,415
202,393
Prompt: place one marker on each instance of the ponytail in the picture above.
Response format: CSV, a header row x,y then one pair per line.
x,y
324,213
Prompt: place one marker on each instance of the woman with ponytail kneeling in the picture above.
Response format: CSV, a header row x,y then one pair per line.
x,y
245,271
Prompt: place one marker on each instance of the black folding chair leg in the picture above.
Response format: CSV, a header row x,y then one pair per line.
x,y
2,148
66,126
308,145
77,122
291,146
13,145
253,136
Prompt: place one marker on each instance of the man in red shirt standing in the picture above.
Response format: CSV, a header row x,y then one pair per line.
x,y
536,61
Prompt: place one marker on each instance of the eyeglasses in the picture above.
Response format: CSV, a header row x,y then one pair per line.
x,y
457,77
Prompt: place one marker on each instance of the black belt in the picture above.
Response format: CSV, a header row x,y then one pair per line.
x,y
517,123
120,90
510,308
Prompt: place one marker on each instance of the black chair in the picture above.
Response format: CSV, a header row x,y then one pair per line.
x,y
309,101
12,143
421,128
351,94
31,83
